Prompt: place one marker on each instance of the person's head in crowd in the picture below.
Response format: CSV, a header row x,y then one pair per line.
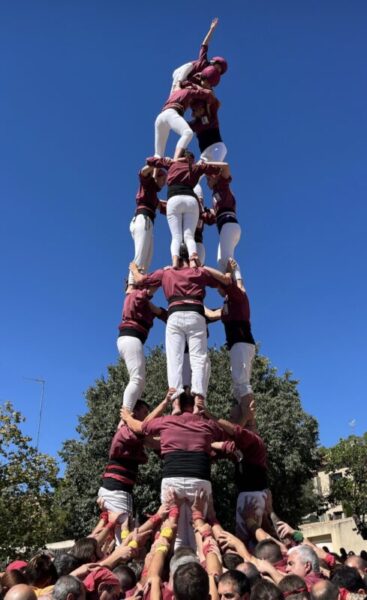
x,y
251,572
268,550
348,578
343,554
183,256
358,563
351,553
265,590
65,563
102,584
191,582
363,555
233,585
68,587
126,577
302,561
294,588
324,590
18,565
20,592
11,578
137,567
141,410
182,556
187,402
231,560
325,549
87,550
41,571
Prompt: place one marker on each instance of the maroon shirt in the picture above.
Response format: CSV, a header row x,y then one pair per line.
x,y
207,121
251,472
223,199
182,172
137,317
181,282
125,456
236,305
181,99
202,62
188,432
146,199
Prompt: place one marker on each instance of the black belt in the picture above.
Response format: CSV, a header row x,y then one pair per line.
x,y
179,189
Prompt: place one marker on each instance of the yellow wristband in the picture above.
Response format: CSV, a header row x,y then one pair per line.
x,y
167,532
133,544
163,549
124,533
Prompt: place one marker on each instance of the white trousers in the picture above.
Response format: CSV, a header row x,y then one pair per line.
x,y
180,74
241,357
117,501
170,119
182,217
141,229
185,487
229,237
186,372
132,351
214,152
245,498
200,249
181,326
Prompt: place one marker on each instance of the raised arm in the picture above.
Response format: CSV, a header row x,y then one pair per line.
x,y
212,315
223,278
206,41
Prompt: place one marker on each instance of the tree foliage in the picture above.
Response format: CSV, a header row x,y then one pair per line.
x,y
27,480
290,434
349,454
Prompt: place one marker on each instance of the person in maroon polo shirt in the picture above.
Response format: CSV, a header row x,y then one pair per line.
x,y
172,116
224,208
119,477
212,69
137,319
182,206
185,441
142,224
184,288
205,125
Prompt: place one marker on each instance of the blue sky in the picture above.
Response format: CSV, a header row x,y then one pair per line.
x,y
81,84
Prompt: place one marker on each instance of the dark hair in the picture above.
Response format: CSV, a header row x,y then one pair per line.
x,y
137,567
231,560
348,578
191,582
141,404
188,154
11,578
186,400
324,590
126,577
252,573
41,570
268,550
65,563
86,549
238,579
294,587
183,252
266,590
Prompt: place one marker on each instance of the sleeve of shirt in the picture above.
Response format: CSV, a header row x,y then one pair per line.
x,y
208,169
245,438
218,434
152,279
160,163
153,427
209,280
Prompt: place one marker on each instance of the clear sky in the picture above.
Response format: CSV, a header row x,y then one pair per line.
x,y
80,85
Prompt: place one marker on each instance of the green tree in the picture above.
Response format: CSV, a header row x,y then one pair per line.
x,y
290,434
27,480
350,490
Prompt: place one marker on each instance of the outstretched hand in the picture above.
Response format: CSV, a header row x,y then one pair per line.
x,y
200,501
214,23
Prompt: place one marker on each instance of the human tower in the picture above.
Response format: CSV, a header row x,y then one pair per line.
x,y
188,436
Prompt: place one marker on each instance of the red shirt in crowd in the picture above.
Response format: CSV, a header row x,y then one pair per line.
x,y
137,317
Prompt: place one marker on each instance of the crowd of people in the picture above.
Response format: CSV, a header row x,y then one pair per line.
x,y
182,552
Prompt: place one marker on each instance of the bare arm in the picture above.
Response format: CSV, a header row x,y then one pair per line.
x,y
208,37
213,315
223,278
146,170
